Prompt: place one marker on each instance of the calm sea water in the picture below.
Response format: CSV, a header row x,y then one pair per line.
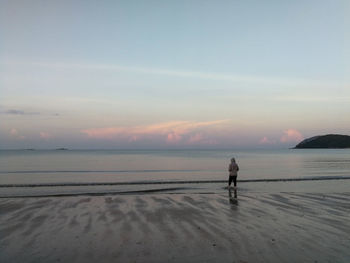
x,y
104,166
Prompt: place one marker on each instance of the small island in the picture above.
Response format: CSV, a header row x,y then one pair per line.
x,y
329,141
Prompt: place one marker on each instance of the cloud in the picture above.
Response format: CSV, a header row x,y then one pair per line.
x,y
19,112
15,112
291,135
173,137
14,132
196,138
238,78
16,135
265,141
187,132
199,138
45,135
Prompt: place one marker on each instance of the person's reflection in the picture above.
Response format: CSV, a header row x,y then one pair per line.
x,y
233,200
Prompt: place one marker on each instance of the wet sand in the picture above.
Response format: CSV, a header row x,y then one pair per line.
x,y
178,227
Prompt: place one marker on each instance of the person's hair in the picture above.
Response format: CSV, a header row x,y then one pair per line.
x,y
233,160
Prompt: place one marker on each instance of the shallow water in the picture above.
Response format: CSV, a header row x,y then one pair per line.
x,y
89,169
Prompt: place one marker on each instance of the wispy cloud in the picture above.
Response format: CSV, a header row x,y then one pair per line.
x,y
26,113
239,78
311,98
18,112
187,132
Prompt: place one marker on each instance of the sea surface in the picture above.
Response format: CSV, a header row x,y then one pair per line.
x,y
55,172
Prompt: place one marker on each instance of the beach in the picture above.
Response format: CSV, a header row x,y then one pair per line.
x,y
122,124
178,226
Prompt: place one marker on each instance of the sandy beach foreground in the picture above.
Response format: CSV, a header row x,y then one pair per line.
x,y
254,227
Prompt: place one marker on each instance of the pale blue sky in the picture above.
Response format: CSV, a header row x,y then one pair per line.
x,y
164,74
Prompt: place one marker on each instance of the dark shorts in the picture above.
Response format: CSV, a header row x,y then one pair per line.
x,y
232,178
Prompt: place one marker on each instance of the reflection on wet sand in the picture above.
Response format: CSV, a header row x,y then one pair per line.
x,y
233,200
276,227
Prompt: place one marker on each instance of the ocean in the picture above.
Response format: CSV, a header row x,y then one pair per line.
x,y
55,172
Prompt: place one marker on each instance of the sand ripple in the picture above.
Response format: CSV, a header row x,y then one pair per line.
x,y
254,227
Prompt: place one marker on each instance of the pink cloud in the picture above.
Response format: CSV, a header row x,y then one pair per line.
x,y
265,140
45,135
173,137
196,138
134,138
200,138
170,132
15,134
291,135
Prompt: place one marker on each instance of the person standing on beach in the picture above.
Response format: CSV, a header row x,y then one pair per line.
x,y
233,169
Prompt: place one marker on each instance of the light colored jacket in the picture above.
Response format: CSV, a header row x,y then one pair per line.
x,y
233,169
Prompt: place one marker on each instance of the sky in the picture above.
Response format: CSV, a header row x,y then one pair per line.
x,y
172,74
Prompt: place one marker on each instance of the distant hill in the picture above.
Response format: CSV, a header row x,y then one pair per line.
x,y
325,141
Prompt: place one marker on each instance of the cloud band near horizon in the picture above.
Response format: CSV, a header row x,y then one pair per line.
x,y
187,132
217,132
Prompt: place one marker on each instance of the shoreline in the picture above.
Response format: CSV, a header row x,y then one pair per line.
x,y
199,187
316,178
